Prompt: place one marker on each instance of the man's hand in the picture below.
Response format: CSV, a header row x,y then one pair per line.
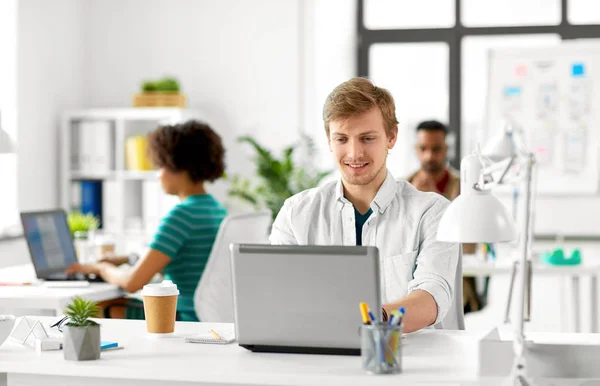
x,y
424,183
86,269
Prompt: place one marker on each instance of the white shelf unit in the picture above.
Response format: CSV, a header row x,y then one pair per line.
x,y
132,192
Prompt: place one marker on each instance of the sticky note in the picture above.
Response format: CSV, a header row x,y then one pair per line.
x,y
578,69
512,91
105,345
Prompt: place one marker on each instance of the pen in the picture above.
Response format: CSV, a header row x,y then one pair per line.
x,y
373,320
217,336
401,312
393,317
364,311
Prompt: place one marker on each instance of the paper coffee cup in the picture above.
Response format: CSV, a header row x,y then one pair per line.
x,y
160,307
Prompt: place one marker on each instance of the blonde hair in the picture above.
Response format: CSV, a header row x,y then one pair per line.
x,y
356,96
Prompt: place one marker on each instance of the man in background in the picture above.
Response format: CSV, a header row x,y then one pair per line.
x,y
435,175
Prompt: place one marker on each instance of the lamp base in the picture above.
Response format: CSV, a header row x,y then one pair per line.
x,y
518,375
540,360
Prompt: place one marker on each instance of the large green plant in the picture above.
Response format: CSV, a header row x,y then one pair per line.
x,y
279,178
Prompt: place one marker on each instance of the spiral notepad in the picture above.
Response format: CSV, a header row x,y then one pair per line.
x,y
209,339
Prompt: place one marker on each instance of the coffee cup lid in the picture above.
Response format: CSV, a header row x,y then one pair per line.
x,y
165,288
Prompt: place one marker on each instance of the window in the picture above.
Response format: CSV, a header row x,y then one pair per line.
x,y
420,90
393,29
8,114
490,13
386,14
584,11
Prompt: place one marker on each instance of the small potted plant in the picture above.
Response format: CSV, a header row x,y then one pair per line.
x,y
79,222
165,92
81,338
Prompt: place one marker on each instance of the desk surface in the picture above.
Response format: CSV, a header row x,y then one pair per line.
x,y
40,297
430,355
473,266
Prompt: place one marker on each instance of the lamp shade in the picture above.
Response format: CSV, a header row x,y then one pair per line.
x,y
499,147
474,218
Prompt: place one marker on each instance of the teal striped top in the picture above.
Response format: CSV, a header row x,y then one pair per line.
x,y
187,235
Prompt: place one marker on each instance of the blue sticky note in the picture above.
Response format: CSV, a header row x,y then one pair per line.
x,y
578,69
512,91
105,345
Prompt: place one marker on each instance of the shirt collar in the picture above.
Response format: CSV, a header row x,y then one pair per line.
x,y
382,199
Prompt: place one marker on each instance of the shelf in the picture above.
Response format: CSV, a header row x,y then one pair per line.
x,y
121,174
139,174
125,193
132,113
77,175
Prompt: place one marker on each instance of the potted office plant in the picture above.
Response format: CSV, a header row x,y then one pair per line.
x,y
81,337
164,92
79,222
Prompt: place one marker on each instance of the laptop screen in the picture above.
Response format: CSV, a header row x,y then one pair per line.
x,y
50,242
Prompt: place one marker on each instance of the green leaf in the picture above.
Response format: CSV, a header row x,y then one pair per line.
x,y
80,311
278,178
78,221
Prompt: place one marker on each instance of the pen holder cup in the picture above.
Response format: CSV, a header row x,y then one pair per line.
x,y
380,348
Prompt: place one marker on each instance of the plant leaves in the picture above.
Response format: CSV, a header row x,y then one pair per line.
x,y
80,311
279,179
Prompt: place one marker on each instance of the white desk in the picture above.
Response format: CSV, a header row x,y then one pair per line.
x,y
42,298
473,266
430,356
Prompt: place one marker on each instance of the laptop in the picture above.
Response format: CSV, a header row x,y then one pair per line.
x,y
51,245
303,299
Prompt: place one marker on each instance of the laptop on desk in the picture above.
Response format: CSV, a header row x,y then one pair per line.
x,y
51,245
303,299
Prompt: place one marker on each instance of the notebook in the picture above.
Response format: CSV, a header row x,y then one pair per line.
x,y
208,338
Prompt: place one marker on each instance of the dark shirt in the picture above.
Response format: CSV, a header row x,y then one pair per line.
x,y
359,221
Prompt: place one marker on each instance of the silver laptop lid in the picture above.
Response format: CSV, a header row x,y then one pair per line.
x,y
303,296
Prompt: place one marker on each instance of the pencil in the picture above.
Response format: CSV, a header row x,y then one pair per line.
x,y
217,336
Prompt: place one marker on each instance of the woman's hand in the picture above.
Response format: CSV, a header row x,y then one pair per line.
x,y
86,269
114,260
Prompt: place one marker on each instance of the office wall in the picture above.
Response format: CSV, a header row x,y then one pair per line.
x,y
255,67
49,71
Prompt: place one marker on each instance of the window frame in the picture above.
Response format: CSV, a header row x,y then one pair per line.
x,y
453,37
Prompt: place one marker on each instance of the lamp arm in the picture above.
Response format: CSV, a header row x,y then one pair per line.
x,y
523,258
510,163
502,180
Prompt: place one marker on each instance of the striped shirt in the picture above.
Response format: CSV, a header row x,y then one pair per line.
x,y
187,235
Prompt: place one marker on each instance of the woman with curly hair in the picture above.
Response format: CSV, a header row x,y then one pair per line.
x,y
188,155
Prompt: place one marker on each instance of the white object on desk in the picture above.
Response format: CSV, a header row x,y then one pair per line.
x,y
208,338
66,284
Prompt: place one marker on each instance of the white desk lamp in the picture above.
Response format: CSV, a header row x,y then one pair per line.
x,y
477,216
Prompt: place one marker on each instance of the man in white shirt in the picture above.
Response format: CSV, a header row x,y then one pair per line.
x,y
369,207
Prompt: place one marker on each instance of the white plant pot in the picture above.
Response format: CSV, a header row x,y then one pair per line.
x,y
81,343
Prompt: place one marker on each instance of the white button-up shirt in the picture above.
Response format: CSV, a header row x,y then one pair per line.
x,y
403,226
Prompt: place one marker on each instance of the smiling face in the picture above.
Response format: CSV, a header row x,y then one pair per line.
x,y
360,146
